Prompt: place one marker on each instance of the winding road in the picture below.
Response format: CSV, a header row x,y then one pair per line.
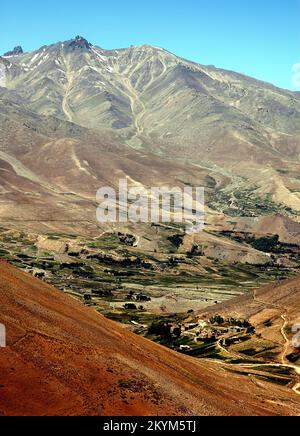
x,y
296,387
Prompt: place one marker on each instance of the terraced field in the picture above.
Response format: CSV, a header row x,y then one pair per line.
x,y
108,270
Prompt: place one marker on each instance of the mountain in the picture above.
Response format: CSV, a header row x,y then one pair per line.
x,y
148,92
75,117
65,359
51,169
229,124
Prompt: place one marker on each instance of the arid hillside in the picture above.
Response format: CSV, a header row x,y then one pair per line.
x,y
274,311
63,358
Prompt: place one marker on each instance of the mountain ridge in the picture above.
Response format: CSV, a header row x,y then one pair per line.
x,y
124,90
87,44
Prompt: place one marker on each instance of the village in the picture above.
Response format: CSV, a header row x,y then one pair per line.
x,y
193,332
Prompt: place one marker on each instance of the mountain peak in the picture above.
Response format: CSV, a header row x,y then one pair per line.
x,y
15,52
79,43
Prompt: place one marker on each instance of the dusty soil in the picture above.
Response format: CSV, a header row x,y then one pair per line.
x,y
63,358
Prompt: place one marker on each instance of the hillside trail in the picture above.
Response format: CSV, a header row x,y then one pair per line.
x,y
295,368
284,364
284,317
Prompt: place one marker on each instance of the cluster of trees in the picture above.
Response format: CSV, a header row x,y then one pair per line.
x,y
131,306
195,251
160,329
218,319
104,293
266,244
137,297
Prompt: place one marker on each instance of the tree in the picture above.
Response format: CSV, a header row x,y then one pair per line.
x,y
87,297
130,306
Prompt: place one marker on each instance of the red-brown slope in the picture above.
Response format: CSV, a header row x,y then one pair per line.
x,y
63,358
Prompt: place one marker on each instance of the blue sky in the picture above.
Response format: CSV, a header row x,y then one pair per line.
x,y
260,38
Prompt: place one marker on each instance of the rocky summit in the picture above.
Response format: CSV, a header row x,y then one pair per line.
x,y
79,43
15,52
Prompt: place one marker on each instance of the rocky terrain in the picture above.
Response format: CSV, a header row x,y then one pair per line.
x,y
242,133
106,114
